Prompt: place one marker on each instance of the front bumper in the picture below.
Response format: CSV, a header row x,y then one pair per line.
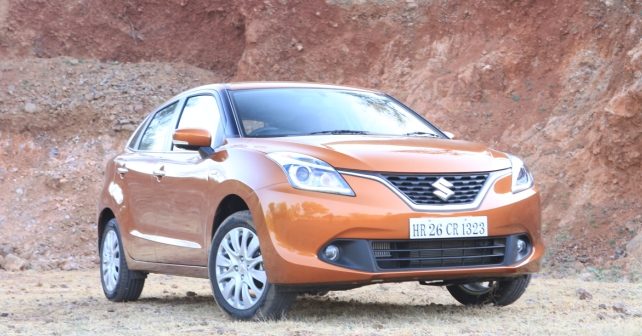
x,y
295,225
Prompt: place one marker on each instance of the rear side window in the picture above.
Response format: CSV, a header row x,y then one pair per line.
x,y
157,136
136,136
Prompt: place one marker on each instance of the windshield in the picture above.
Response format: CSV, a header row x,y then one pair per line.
x,y
277,112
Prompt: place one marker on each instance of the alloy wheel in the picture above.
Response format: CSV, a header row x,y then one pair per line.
x,y
110,261
239,268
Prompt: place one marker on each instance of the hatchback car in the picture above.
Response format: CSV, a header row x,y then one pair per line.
x,y
276,189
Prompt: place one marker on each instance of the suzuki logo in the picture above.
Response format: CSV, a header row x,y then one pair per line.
x,y
443,190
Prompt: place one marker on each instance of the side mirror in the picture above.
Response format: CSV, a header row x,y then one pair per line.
x,y
449,135
192,138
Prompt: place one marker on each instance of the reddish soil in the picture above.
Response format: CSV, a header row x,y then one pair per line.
x,y
556,82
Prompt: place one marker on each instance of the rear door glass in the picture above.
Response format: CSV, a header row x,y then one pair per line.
x,y
157,136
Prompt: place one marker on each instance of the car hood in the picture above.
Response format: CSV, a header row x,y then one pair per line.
x,y
385,153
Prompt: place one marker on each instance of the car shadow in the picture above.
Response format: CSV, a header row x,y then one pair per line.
x,y
339,309
176,300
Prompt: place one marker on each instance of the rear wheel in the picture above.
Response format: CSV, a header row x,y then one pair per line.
x,y
239,281
119,283
500,293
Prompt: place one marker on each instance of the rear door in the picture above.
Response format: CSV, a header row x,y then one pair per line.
x,y
187,210
136,170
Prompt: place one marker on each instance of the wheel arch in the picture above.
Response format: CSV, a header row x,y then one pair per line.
x,y
230,204
105,216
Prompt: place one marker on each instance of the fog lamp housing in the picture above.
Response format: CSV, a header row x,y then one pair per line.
x,y
522,248
331,252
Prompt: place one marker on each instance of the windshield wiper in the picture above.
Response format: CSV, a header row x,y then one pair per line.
x,y
431,135
339,132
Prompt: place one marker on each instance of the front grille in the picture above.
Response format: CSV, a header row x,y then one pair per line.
x,y
435,253
418,187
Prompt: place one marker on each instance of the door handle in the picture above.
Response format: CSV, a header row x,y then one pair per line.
x,y
160,172
122,170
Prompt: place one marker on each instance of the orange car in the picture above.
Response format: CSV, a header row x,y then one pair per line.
x,y
275,189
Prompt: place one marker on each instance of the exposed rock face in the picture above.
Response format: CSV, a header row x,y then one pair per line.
x,y
207,34
559,84
634,251
13,263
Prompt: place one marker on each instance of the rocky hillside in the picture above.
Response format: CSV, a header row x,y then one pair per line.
x,y
556,82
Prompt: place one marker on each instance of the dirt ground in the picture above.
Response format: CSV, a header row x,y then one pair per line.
x,y
72,303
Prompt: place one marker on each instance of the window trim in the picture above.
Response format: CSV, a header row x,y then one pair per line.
x,y
228,126
232,113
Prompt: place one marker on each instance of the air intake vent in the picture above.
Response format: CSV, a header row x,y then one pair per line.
x,y
437,253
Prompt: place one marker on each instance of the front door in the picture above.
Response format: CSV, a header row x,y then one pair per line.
x,y
186,211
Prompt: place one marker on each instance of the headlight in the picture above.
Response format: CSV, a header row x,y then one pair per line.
x,y
308,173
522,178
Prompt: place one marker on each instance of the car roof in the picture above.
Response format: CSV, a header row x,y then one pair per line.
x,y
260,85
272,85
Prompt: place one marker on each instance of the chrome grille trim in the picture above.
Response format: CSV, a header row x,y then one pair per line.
x,y
490,181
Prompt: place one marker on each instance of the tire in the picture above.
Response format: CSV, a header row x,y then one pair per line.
x,y
239,282
500,293
119,283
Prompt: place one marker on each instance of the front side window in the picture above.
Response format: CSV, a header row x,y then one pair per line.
x,y
157,136
307,111
200,112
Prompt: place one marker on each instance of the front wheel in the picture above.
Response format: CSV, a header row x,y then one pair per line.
x,y
239,281
500,293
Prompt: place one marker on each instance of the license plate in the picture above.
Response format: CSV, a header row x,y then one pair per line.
x,y
448,227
